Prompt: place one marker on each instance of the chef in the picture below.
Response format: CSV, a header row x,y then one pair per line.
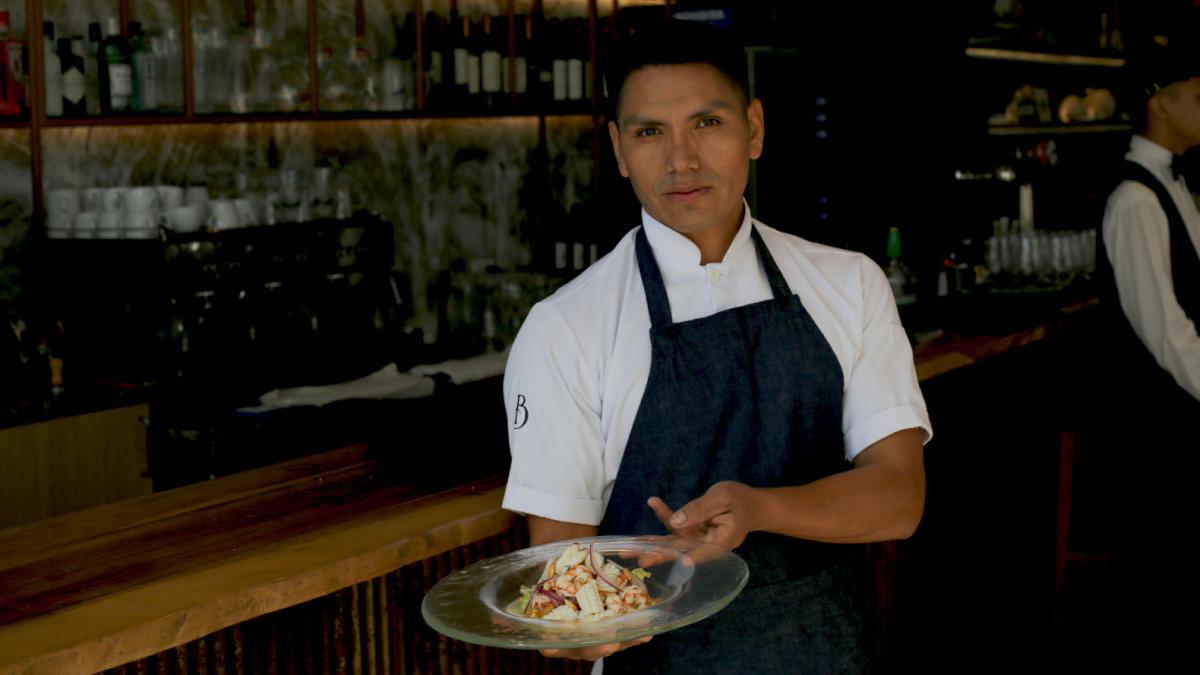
x,y
718,379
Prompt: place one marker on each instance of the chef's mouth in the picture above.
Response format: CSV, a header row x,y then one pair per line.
x,y
687,192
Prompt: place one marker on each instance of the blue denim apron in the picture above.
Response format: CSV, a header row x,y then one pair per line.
x,y
751,394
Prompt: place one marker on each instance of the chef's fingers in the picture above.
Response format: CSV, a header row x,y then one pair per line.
x,y
660,509
594,652
698,512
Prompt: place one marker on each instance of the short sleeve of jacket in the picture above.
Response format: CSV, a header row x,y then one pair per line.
x,y
554,430
882,394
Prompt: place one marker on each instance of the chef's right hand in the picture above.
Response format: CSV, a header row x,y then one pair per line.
x,y
594,652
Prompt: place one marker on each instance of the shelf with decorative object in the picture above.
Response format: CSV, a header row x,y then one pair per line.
x,y
1023,56
1056,129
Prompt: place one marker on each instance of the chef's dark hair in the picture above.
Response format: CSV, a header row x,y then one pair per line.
x,y
664,42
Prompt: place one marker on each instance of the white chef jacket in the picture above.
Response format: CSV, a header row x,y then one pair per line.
x,y
1135,236
579,365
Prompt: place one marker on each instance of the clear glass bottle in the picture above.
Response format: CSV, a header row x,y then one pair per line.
x,y
53,67
91,68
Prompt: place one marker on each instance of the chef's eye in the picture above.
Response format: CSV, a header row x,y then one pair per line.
x,y
649,131
708,122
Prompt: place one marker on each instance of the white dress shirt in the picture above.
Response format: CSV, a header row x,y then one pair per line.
x,y
1136,238
578,368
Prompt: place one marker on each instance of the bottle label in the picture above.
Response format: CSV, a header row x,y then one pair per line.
x,y
492,75
574,79
120,80
522,76
473,68
435,67
461,58
504,75
147,81
74,86
577,255
560,80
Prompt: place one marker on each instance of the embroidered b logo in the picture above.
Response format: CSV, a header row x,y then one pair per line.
x,y
521,414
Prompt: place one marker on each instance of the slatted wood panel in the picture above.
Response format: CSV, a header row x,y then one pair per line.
x,y
374,627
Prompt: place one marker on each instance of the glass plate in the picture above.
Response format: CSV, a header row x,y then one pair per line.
x,y
689,581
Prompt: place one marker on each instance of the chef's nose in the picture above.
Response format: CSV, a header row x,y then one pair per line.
x,y
682,153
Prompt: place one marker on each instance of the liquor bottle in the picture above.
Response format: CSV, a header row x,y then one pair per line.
x,y
435,59
558,60
12,71
472,34
398,69
491,75
91,69
902,281
53,64
523,36
145,70
117,71
74,86
169,68
575,47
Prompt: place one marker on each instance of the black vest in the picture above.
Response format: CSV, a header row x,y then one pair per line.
x,y
1140,371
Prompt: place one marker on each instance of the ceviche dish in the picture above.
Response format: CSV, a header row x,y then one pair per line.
x,y
581,585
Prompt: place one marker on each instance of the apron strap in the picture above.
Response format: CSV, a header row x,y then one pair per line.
x,y
779,285
652,282
656,290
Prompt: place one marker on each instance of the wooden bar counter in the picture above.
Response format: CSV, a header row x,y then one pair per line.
x,y
314,565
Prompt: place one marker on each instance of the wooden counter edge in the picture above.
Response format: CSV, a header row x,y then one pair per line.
x,y
126,626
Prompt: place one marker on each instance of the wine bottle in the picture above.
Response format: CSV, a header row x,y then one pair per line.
x,y
490,63
144,69
119,70
74,87
53,66
91,69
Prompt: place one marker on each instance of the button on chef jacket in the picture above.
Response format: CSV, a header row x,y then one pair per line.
x,y
578,368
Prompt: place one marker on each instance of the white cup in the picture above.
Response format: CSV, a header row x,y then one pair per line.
x,y
223,215
83,234
86,220
169,196
114,199
108,234
62,202
59,234
139,234
141,198
145,221
59,221
196,194
93,199
187,218
109,220
247,212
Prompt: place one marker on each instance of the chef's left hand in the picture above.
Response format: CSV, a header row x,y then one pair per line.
x,y
723,516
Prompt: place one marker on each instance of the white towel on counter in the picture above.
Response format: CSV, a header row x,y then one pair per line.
x,y
386,383
461,371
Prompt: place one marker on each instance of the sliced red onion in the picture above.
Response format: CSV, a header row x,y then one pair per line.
x,y
596,562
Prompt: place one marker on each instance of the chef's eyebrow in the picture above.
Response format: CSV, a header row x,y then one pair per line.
x,y
709,108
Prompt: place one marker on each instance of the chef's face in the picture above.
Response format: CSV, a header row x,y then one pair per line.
x,y
684,137
1179,110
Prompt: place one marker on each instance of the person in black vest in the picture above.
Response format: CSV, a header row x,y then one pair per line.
x,y
1151,229
718,379
1149,269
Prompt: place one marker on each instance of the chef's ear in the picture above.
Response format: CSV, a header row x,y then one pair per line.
x,y
614,133
754,117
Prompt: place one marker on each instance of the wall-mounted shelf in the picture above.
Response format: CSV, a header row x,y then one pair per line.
x,y
200,120
1054,130
1042,57
14,124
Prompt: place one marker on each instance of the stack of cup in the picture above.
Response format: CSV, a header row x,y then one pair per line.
x,y
186,210
141,212
62,205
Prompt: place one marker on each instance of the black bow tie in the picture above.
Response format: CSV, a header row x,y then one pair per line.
x,y
1177,166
